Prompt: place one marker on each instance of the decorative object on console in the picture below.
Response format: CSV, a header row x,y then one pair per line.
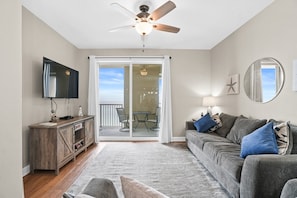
x,y
208,102
53,111
232,85
80,111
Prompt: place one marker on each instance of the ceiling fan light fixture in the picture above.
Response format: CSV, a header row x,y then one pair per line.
x,y
144,28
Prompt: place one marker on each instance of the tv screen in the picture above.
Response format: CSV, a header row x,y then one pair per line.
x,y
58,80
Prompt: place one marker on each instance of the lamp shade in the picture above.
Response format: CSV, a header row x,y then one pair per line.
x,y
144,27
208,101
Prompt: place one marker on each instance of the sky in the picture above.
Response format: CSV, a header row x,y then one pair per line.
x,y
268,83
111,85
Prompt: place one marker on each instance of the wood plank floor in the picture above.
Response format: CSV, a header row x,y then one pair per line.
x,y
48,185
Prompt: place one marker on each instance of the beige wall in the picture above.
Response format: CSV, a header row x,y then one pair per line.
x,y
270,34
39,40
190,78
11,99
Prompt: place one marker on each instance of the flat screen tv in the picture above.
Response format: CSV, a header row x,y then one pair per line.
x,y
58,81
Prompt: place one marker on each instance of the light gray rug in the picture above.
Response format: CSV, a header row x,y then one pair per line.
x,y
171,169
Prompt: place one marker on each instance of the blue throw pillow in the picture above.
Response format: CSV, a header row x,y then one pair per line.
x,y
260,141
204,123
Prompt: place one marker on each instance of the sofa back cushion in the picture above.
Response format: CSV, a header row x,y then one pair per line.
x,y
242,127
293,129
227,123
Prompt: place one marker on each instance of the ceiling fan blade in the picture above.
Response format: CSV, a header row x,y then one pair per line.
x,y
166,28
124,10
126,27
162,10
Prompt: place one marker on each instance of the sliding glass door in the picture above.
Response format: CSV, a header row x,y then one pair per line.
x,y
146,99
129,100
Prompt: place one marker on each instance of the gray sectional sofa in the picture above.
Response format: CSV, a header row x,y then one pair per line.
x,y
261,175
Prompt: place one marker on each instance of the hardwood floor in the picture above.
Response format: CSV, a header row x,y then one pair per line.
x,y
48,185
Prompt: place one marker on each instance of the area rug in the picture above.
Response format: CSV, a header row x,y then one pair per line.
x,y
169,168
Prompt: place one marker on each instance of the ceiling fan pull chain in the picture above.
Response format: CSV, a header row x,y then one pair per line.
x,y
143,42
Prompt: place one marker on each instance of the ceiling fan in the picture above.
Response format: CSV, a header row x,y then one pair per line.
x,y
145,22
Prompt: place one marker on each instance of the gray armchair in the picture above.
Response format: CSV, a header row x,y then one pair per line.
x,y
290,189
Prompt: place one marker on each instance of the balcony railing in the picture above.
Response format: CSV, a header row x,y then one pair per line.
x,y
108,115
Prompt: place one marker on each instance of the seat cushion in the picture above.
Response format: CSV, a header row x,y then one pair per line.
x,y
199,139
226,155
242,127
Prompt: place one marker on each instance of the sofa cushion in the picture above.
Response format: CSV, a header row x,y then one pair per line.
x,y
204,123
217,119
227,123
100,187
200,139
242,127
135,189
284,137
225,155
261,141
293,130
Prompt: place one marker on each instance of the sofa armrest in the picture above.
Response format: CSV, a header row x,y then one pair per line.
x,y
190,125
265,175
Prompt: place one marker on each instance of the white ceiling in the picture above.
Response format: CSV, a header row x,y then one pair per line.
x,y
203,23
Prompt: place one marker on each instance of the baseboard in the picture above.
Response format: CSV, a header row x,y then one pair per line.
x,y
26,170
178,139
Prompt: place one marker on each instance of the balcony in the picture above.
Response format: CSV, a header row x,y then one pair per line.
x,y
110,125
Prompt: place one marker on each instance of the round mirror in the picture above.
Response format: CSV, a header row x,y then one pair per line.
x,y
264,80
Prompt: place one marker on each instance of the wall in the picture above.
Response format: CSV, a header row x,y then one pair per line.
x,y
272,33
190,78
40,40
11,100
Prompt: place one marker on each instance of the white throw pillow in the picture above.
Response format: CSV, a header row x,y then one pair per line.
x,y
135,189
283,138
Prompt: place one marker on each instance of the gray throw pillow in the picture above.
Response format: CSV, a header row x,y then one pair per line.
x,y
242,127
227,123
